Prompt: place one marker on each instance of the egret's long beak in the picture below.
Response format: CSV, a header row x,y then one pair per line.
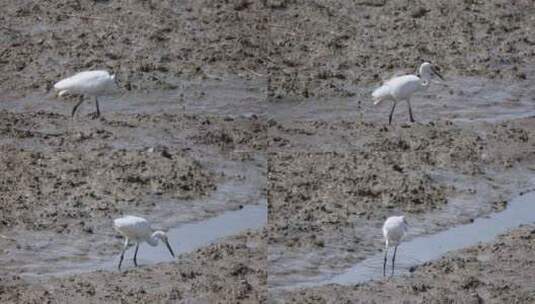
x,y
435,71
169,247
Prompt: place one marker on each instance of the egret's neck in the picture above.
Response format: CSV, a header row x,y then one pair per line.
x,y
153,240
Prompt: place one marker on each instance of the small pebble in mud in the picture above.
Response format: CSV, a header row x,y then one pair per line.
x,y
272,122
419,12
319,243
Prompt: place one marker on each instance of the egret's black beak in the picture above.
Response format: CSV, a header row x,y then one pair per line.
x,y
169,247
435,71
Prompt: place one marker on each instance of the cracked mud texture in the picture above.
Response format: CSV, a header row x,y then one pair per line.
x,y
320,47
497,272
233,271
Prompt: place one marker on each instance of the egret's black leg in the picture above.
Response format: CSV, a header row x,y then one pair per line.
x,y
135,254
384,264
394,260
391,113
122,253
77,105
410,111
98,109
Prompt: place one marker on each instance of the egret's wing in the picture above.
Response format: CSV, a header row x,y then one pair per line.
x,y
394,74
81,80
133,226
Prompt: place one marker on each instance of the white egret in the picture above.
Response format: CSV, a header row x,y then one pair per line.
x,y
402,87
92,83
394,230
138,230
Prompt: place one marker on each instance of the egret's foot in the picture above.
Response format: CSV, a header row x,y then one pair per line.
x,y
94,115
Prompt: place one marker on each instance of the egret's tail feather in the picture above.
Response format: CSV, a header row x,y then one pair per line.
x,y
380,94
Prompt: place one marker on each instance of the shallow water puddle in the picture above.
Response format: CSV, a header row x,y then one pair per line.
x,y
520,210
184,238
189,237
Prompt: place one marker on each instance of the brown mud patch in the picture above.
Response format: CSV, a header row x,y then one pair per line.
x,y
319,48
151,45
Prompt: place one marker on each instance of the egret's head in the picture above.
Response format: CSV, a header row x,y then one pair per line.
x,y
427,71
404,220
163,237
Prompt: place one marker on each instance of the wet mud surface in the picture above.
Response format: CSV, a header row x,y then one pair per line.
x,y
150,45
229,104
67,179
236,273
323,217
497,272
321,48
336,170
182,143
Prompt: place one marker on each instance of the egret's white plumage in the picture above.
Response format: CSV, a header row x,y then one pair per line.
x,y
92,83
138,230
402,87
394,230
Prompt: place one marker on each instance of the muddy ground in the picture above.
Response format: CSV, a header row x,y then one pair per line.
x,y
170,157
319,48
66,180
327,208
271,97
149,44
336,170
230,272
